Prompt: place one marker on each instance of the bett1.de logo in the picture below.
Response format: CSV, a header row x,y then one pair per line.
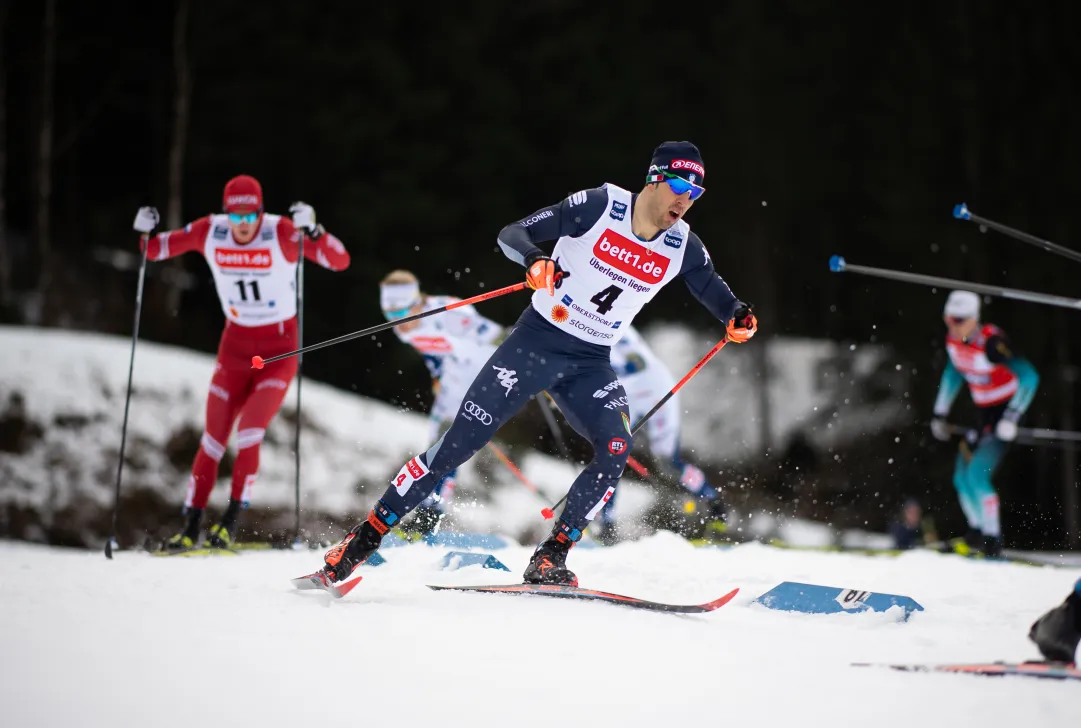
x,y
630,257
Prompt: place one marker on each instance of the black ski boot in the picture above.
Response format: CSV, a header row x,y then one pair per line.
x,y
1058,632
549,562
186,539
426,520
357,546
220,536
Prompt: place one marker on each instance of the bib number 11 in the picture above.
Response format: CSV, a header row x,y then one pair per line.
x,y
604,300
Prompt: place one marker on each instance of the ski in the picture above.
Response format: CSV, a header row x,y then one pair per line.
x,y
574,592
1049,670
313,581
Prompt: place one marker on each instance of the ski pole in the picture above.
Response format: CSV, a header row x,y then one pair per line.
x,y
127,398
1025,435
839,265
961,212
557,433
257,362
549,512
300,378
514,469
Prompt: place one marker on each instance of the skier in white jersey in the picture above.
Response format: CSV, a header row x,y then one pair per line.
x,y
253,256
646,380
455,347
615,250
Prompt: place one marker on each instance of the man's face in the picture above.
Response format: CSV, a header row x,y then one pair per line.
x,y
244,224
960,327
666,208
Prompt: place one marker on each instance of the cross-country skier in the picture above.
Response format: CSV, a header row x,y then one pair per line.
x,y
646,380
253,256
1002,385
615,250
1058,632
454,346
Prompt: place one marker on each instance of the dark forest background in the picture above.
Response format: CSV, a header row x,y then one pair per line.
x,y
417,133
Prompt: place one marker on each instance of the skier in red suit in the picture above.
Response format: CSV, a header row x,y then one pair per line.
x,y
253,256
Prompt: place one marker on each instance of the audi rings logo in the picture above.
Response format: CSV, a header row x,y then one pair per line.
x,y
480,414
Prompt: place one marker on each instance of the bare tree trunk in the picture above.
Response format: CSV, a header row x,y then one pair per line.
x,y
45,157
178,146
181,105
5,254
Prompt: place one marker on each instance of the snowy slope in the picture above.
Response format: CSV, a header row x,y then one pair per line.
x,y
72,385
141,641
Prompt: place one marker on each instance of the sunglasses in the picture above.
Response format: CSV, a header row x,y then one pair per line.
x,y
956,320
678,185
249,217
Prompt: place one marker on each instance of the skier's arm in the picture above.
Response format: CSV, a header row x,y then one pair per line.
x,y
999,351
325,249
705,284
171,243
948,388
570,218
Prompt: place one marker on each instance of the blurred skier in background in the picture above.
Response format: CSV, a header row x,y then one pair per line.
x,y
454,345
1002,385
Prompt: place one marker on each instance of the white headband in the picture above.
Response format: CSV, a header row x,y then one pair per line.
x,y
396,296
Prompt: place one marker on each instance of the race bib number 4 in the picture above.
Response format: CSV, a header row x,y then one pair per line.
x,y
630,257
411,472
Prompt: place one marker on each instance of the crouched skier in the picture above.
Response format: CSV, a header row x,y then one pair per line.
x,y
615,250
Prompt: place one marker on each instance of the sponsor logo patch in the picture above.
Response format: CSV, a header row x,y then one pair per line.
x,y
411,472
617,446
233,259
688,164
560,313
673,240
472,411
630,257
618,211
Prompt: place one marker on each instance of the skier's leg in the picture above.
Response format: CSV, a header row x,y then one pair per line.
x,y
430,513
228,389
519,368
268,390
961,485
607,423
981,469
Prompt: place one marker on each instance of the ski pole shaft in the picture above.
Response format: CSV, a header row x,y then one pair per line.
x,y
300,379
257,362
664,400
127,397
502,457
1025,435
961,212
839,265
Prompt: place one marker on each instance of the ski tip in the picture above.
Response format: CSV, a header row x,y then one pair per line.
x,y
343,589
837,263
718,603
961,212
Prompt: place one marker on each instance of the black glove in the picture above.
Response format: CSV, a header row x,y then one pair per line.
x,y
743,314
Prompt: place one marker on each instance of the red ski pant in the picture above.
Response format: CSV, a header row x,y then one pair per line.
x,y
245,397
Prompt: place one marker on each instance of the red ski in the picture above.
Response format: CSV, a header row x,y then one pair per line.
x,y
574,592
1047,670
318,581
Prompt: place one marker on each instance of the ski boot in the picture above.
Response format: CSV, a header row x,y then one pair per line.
x,y
426,521
549,562
969,545
1058,632
608,535
220,535
357,546
716,518
186,539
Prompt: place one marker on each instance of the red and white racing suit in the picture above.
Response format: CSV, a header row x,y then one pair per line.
x,y
256,282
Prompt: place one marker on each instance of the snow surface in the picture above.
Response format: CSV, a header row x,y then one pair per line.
x,y
144,641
